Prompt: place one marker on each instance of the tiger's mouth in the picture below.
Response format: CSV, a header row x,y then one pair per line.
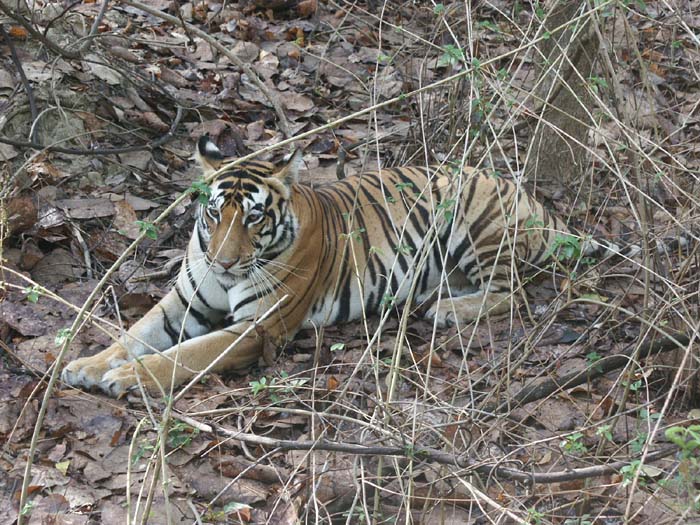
x,y
237,271
234,268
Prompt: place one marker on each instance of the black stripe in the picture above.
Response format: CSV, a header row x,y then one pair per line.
x,y
168,326
194,286
198,316
249,300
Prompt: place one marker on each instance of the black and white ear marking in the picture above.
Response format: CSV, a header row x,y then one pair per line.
x,y
289,174
208,155
208,149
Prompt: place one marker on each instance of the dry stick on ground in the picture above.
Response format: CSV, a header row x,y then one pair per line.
x,y
45,40
426,454
599,368
103,151
72,55
98,287
33,144
281,115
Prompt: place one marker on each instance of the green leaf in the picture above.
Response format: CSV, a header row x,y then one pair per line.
x,y
388,300
63,335
605,431
32,293
451,56
202,190
62,466
149,228
335,347
488,24
234,506
594,356
259,386
403,249
439,9
28,508
594,297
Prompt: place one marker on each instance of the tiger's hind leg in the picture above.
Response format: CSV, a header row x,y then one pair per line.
x,y
484,288
465,308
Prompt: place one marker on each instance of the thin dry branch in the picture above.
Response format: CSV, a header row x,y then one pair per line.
x,y
425,454
579,377
160,141
101,151
37,35
23,78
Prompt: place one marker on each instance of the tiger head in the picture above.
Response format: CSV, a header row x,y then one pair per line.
x,y
247,220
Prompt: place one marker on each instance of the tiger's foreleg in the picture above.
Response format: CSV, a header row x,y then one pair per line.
x,y
182,362
161,328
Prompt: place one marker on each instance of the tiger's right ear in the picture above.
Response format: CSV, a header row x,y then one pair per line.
x,y
208,155
289,174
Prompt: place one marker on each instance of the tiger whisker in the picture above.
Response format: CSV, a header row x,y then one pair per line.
x,y
275,281
297,272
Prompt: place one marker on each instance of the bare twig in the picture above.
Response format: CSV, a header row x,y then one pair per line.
x,y
597,369
101,151
37,34
50,44
422,453
89,39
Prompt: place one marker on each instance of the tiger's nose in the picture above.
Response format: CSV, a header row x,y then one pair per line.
x,y
227,263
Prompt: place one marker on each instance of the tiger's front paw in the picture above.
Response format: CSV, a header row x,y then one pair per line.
x,y
118,381
153,371
85,372
464,308
444,315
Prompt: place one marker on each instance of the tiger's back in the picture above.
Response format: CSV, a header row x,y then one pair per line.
x,y
382,236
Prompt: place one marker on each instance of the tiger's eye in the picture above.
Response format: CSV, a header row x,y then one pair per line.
x,y
213,212
254,216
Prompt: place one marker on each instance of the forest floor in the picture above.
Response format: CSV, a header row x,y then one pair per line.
x,y
478,426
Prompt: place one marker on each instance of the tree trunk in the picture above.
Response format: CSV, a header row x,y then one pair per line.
x,y
565,63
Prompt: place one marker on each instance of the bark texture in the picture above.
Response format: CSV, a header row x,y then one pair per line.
x,y
565,67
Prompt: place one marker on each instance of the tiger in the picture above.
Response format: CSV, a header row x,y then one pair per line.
x,y
270,255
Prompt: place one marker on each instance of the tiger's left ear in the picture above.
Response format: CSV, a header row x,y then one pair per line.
x,y
289,174
208,155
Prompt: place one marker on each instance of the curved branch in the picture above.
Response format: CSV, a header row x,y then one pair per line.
x,y
37,34
23,78
607,364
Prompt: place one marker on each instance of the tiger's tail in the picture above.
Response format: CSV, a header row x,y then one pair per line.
x,y
597,247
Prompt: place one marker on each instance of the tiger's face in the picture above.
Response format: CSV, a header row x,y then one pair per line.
x,y
247,220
